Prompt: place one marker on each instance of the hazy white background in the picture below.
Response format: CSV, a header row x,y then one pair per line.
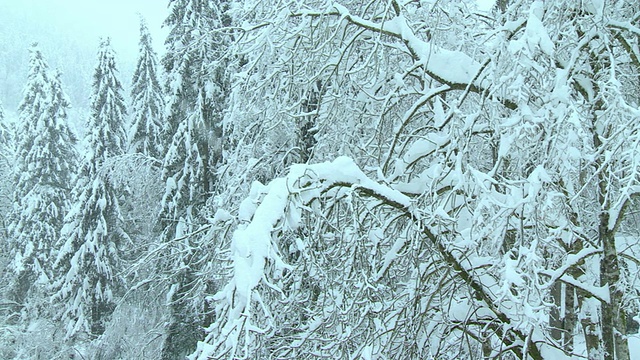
x,y
87,20
68,32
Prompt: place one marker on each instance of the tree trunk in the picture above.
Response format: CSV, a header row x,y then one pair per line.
x,y
570,317
556,315
613,317
592,338
614,324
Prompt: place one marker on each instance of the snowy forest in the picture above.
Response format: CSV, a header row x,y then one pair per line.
x,y
344,179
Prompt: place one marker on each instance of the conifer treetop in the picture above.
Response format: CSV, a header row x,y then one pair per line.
x,y
147,100
106,137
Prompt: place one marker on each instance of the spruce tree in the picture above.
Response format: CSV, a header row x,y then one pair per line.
x,y
147,100
3,127
6,187
88,262
31,109
45,165
5,137
196,88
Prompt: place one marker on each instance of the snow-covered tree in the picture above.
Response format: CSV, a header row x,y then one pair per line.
x,y
31,109
146,101
6,187
139,172
486,203
197,86
45,165
88,278
196,98
4,132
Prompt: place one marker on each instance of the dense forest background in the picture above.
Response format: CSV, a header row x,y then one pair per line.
x,y
315,179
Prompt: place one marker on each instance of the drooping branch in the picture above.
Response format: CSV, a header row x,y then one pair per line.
x,y
453,68
465,275
268,210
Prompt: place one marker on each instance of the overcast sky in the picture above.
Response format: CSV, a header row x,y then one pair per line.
x,y
68,32
88,20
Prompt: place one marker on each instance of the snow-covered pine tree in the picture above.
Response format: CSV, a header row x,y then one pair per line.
x,y
31,109
45,164
196,89
4,130
88,277
3,126
147,100
5,188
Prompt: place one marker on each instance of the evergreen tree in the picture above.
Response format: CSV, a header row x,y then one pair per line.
x,y
45,165
197,86
88,260
5,136
147,100
6,164
197,89
3,127
31,110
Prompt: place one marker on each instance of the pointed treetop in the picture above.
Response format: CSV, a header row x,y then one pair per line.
x,y
106,57
36,60
36,88
106,137
145,37
147,100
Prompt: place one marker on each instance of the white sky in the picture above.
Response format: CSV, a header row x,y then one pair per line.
x,y
68,32
88,20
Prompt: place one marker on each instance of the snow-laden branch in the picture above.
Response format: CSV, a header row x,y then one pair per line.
x,y
599,292
278,207
624,26
453,68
